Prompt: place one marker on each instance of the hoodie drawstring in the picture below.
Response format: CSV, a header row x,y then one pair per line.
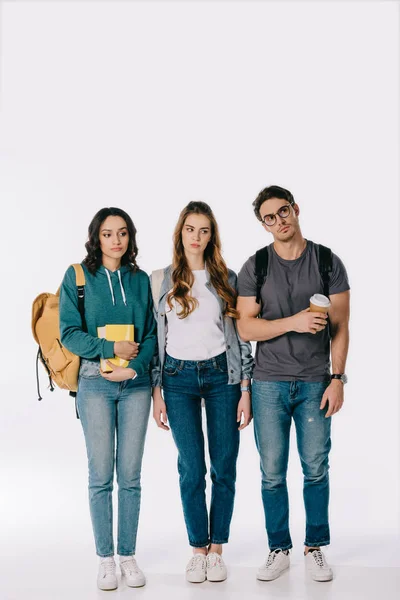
x,y
110,284
111,288
122,287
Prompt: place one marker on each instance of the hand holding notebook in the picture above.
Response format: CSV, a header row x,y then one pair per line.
x,y
115,333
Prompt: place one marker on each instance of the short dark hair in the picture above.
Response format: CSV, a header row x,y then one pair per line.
x,y
273,191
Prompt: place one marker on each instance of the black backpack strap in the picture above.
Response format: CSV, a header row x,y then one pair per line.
x,y
325,266
81,305
39,356
261,270
80,288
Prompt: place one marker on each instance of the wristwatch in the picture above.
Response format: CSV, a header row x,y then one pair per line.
x,y
245,388
341,376
135,375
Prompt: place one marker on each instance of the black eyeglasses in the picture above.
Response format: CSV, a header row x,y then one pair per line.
x,y
283,212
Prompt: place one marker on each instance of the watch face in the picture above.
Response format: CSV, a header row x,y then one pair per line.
x,y
344,378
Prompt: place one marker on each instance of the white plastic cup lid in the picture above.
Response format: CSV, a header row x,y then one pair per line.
x,y
320,300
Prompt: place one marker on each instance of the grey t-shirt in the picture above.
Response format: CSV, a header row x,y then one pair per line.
x,y
287,290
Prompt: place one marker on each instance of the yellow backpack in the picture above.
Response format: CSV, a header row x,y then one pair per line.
x,y
62,366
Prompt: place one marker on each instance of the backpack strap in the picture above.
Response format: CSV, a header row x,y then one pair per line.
x,y
261,270
156,282
39,356
80,286
325,266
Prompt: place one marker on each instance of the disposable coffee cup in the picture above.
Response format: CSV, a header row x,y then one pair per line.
x,y
319,303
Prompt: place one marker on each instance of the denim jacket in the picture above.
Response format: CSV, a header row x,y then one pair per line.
x,y
238,353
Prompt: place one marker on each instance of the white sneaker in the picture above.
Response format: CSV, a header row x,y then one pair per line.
x,y
318,567
196,569
216,569
275,564
134,576
107,577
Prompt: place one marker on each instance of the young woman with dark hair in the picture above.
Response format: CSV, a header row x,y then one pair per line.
x,y
200,355
113,405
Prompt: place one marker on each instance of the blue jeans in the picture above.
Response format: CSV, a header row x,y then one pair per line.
x,y
112,411
274,405
185,383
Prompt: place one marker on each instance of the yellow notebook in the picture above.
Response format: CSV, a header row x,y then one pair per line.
x,y
115,333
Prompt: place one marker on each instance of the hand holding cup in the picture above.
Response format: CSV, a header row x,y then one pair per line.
x,y
312,319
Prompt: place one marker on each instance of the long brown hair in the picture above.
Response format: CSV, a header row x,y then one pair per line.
x,y
182,276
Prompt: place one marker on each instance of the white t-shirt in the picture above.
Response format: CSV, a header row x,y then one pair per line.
x,y
201,335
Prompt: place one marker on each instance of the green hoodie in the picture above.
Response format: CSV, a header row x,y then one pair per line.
x,y
111,298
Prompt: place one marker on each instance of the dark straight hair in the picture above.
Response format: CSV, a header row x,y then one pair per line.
x,y
273,191
93,259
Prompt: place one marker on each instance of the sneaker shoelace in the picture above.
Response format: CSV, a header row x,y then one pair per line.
x,y
215,561
318,558
271,557
131,566
196,562
108,567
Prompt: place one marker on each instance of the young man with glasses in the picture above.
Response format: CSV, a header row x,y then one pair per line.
x,y
292,377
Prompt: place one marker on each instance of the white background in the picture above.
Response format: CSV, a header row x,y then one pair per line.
x,y
146,106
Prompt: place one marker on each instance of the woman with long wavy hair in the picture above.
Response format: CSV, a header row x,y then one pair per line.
x,y
200,355
113,403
